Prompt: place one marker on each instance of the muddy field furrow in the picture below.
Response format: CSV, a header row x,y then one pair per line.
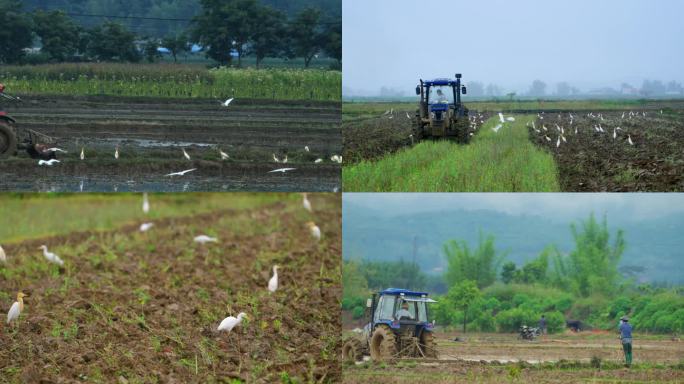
x,y
144,307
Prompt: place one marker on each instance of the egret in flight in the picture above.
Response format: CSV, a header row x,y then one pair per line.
x,y
282,170
181,173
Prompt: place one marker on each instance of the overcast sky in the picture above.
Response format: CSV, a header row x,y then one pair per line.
x,y
555,206
590,44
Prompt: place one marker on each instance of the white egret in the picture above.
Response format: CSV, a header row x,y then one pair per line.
x,y
82,153
185,154
116,153
275,158
3,256
51,257
285,160
144,227
614,133
224,156
629,140
48,162
544,128
282,170
408,116
231,322
227,102
273,282
16,308
496,129
563,137
202,239
146,203
318,161
306,203
315,231
336,158
181,173
558,142
501,118
306,148
57,150
547,138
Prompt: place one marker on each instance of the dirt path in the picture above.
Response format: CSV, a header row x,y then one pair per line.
x,y
144,307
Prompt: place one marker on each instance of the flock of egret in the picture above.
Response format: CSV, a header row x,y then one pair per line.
x,y
226,324
596,121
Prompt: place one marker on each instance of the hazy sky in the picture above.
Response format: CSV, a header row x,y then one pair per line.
x,y
555,206
511,43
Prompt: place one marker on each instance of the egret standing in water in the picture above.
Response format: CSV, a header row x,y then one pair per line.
x,y
16,308
273,282
146,204
231,322
306,203
51,257
315,231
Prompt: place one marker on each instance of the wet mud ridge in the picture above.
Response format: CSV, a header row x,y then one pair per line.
x,y
144,307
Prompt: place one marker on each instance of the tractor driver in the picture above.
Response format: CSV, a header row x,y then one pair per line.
x,y
441,97
404,312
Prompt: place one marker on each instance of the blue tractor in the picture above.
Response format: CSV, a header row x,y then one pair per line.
x,y
397,326
441,113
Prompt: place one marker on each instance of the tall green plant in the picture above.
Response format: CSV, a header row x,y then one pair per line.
x,y
479,265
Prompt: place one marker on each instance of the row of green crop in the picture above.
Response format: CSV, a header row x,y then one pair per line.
x,y
504,161
173,81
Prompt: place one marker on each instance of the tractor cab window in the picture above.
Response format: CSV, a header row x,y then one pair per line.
x,y
385,309
441,94
417,310
422,313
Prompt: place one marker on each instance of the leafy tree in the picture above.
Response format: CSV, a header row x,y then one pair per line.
x,y
508,272
353,281
592,266
462,295
385,274
332,44
113,42
176,45
306,38
534,271
268,39
15,33
479,265
58,33
151,51
538,88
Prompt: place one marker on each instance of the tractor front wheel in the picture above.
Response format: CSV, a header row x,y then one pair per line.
x,y
8,140
352,350
383,345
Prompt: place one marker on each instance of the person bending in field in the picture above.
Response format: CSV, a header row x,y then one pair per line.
x,y
404,312
626,337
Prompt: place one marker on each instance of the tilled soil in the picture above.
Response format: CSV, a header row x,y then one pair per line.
x,y
144,307
155,130
592,161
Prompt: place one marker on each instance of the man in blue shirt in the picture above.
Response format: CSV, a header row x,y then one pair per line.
x,y
626,337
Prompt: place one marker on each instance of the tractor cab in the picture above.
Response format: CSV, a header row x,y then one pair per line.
x,y
397,326
441,114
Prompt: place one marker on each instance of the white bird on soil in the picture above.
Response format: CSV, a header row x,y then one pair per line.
x,y
575,130
544,128
558,142
275,158
306,148
629,140
315,231
273,282
501,118
16,308
181,173
57,150
336,159
185,154
563,137
496,129
231,322
144,227
282,170
614,133
227,102
306,203
510,118
547,138
408,116
203,239
285,160
623,115
146,203
116,153
224,156
48,162
318,161
3,256
82,153
51,257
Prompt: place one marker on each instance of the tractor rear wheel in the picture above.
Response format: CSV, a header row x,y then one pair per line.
x,y
383,345
428,345
8,140
352,350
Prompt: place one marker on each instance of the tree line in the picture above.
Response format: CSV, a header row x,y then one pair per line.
x,y
483,291
539,88
227,29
